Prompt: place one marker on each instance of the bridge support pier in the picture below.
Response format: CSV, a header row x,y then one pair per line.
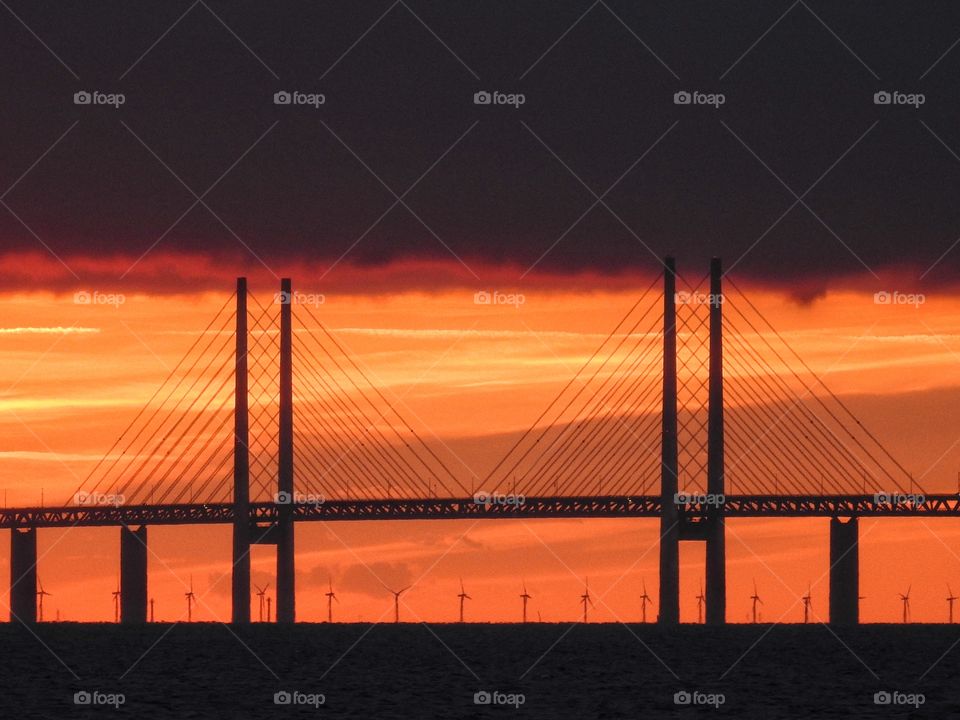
x,y
844,572
23,576
133,575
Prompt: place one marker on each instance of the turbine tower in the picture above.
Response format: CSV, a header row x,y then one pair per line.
x,y
463,596
701,599
331,596
190,598
396,602
116,602
261,593
151,609
644,599
807,604
905,599
756,599
525,596
41,592
585,598
951,598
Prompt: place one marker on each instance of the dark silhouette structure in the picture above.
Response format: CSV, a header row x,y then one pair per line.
x,y
379,476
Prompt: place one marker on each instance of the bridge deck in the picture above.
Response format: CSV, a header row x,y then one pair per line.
x,y
734,506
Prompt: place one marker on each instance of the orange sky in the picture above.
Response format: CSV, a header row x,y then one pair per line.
x,y
74,375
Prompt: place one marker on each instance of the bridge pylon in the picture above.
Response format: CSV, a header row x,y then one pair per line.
x,y
240,583
675,525
286,586
670,517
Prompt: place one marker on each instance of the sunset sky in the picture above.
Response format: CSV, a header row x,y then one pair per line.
x,y
399,199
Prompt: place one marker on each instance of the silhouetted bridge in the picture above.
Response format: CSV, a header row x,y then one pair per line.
x,y
649,506
645,429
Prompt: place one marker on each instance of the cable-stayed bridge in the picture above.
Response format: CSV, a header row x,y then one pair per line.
x,y
692,410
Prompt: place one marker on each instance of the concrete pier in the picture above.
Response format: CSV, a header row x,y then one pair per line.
x,y
133,575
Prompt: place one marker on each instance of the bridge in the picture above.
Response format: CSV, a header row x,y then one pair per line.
x,y
268,421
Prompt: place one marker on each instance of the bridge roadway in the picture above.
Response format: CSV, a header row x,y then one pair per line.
x,y
734,506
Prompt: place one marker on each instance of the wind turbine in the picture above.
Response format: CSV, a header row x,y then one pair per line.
x,y
644,599
261,593
151,609
807,604
950,600
701,599
396,602
525,596
585,598
41,592
905,599
331,596
463,596
756,599
190,598
116,602
269,601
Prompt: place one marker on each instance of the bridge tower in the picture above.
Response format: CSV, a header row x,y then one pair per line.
x,y
674,523
240,583
286,604
669,518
